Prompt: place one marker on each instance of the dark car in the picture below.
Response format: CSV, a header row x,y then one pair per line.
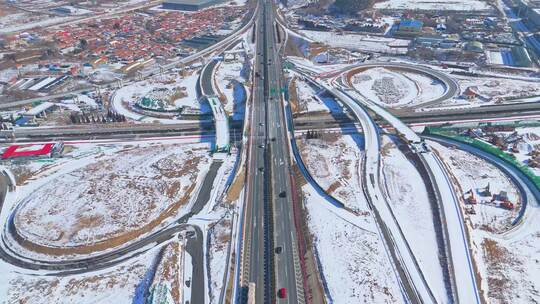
x,y
282,194
279,250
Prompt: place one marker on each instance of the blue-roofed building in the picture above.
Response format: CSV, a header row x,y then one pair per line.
x,y
409,27
22,121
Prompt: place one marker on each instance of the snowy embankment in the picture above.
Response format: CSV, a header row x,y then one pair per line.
x,y
352,258
220,238
221,225
308,99
169,274
230,79
410,203
334,161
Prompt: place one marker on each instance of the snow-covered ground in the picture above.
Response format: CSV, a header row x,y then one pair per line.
x,y
231,79
354,264
453,5
385,87
410,203
123,284
310,100
169,276
394,88
31,21
359,42
492,87
334,161
508,264
126,97
428,88
475,174
220,238
78,202
312,66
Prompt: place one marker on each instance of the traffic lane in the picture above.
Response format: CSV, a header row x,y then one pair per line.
x,y
194,246
257,221
286,276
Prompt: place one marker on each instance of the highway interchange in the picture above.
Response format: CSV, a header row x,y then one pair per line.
x,y
269,219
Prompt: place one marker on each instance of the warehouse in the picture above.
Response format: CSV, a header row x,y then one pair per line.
x,y
189,5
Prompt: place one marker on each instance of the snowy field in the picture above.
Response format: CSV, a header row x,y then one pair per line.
x,y
428,88
452,5
507,262
130,281
364,43
410,203
78,202
354,264
231,78
126,97
27,21
334,161
311,100
124,284
394,88
491,87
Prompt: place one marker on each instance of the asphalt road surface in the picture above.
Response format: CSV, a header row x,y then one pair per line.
x,y
287,268
269,216
256,247
194,247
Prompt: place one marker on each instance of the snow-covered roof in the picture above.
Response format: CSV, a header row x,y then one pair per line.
x,y
39,108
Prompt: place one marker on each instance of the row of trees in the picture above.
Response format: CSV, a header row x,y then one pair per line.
x,y
82,118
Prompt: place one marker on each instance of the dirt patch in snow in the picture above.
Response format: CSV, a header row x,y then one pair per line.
x,y
498,258
169,271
